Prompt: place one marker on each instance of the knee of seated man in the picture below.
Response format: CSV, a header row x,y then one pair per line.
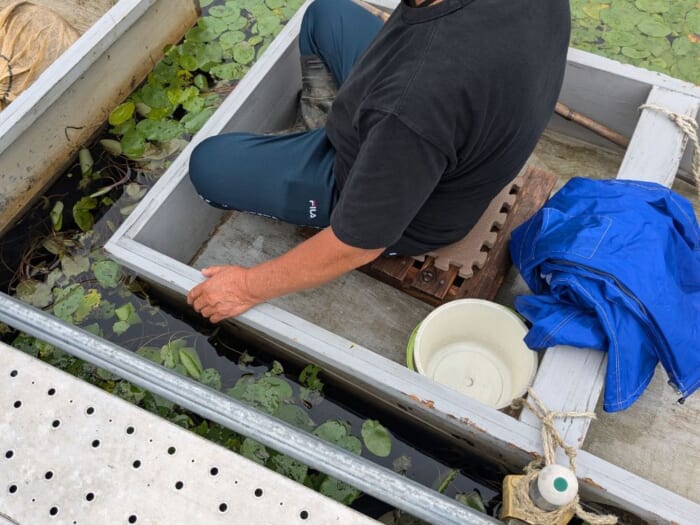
x,y
319,9
202,167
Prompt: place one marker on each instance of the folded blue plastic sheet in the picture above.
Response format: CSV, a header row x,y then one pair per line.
x,y
615,265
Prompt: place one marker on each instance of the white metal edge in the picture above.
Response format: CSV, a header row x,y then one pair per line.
x,y
178,170
68,68
599,478
579,58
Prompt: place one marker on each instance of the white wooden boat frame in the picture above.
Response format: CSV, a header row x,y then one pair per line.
x,y
160,234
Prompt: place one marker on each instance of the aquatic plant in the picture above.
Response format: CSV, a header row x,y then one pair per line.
x,y
660,35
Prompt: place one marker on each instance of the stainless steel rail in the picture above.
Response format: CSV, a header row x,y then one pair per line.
x,y
359,472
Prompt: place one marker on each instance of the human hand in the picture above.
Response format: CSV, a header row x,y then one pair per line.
x,y
224,294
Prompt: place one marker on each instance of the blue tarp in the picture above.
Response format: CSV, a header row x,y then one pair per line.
x,y
615,265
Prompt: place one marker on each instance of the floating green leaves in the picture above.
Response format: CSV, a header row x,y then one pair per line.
x,y
376,438
82,213
211,378
152,353
73,265
122,113
268,25
67,300
107,273
56,216
254,451
35,293
243,53
267,393
182,90
295,415
229,71
309,378
159,130
337,432
653,6
133,143
127,316
693,21
86,162
338,490
111,146
289,467
223,11
653,27
192,122
190,360
659,35
472,499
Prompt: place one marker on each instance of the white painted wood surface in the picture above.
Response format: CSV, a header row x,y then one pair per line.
x,y
656,438
569,379
658,144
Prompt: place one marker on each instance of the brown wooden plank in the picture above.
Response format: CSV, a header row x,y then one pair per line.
x,y
433,281
390,270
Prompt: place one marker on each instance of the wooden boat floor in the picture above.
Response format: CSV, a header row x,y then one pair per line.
x,y
355,306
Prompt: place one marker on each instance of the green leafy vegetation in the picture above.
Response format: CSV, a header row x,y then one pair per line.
x,y
660,35
186,86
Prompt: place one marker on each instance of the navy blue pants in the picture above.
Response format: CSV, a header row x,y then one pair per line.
x,y
289,177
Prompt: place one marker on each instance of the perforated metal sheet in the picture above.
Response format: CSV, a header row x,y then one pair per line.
x,y
73,454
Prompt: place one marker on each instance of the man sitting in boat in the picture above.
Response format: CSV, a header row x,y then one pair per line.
x,y
437,110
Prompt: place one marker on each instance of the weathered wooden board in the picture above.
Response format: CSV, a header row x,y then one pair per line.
x,y
658,144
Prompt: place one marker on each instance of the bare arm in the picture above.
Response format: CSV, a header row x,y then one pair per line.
x,y
231,290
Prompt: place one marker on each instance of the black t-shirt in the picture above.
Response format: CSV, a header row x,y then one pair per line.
x,y
439,114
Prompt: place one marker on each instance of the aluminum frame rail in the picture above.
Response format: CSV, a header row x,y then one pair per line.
x,y
359,472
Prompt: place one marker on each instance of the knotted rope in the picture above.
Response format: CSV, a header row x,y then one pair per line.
x,y
689,126
551,439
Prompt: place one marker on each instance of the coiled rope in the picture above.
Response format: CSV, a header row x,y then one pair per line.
x,y
689,126
551,439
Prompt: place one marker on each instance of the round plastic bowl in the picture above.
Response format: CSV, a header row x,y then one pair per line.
x,y
475,347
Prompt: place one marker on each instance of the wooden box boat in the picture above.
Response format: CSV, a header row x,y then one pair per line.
x,y
356,328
